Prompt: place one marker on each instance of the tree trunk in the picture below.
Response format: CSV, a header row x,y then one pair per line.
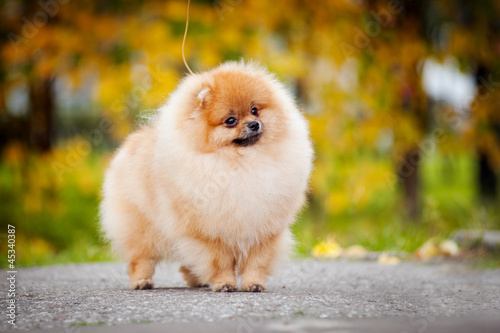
x,y
41,116
487,176
408,176
488,180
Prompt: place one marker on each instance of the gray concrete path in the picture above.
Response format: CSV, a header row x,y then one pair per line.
x,y
307,295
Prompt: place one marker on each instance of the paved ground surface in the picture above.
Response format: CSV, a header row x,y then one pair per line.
x,y
304,296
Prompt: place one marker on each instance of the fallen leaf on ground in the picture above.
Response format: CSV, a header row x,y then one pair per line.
x,y
449,248
354,251
428,250
327,249
386,259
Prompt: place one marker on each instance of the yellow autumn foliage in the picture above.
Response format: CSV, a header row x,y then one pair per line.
x,y
360,91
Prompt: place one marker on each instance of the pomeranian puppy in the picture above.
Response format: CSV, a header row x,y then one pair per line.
x,y
214,182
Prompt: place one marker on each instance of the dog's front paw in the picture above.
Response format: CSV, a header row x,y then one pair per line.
x,y
224,287
254,287
142,284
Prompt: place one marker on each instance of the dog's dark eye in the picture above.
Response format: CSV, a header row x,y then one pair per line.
x,y
231,122
255,111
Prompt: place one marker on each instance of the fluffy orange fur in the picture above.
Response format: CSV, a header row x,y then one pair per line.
x,y
213,182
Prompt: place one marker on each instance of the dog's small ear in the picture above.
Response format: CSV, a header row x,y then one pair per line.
x,y
203,96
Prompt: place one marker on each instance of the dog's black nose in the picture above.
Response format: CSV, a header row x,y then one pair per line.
x,y
254,126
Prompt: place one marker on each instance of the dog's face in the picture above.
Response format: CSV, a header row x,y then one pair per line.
x,y
236,109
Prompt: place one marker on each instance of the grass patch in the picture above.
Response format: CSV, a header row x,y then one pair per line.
x,y
55,215
299,313
85,324
352,198
377,222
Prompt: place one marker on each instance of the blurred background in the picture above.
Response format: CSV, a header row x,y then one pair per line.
x,y
403,100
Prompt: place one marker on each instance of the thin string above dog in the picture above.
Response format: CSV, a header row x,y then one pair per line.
x,y
184,39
